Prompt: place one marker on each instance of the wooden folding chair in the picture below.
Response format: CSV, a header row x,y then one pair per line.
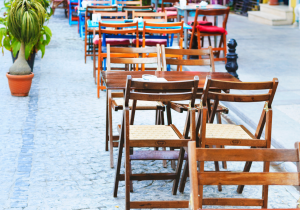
x,y
88,43
115,99
199,30
206,58
118,29
132,136
265,178
230,134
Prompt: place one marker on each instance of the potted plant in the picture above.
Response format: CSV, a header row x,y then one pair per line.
x,y
24,21
9,42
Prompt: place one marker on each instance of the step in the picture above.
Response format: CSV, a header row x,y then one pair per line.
x,y
278,10
268,19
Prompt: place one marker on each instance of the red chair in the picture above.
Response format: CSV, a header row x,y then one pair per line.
x,y
200,30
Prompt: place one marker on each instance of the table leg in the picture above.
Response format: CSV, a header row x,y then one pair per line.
x,y
185,30
178,16
106,124
216,38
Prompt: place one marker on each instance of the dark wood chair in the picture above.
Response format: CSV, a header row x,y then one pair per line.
x,y
116,99
200,31
206,59
133,136
230,134
198,178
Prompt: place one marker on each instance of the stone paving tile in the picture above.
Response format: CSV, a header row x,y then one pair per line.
x,y
52,142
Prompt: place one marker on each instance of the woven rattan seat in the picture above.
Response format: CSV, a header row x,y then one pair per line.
x,y
226,131
140,105
138,132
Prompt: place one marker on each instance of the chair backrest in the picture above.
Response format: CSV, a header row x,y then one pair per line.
x,y
130,55
169,1
271,86
161,91
151,16
179,61
211,12
112,16
102,2
138,8
118,28
90,9
133,3
200,178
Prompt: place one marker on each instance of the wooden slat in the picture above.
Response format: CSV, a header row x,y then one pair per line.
x,y
134,60
187,51
257,178
202,62
236,142
243,85
247,155
158,204
164,86
238,97
161,97
159,143
155,155
151,176
232,202
133,50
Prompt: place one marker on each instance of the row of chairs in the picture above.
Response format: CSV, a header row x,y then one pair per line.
x,y
199,130
131,28
115,101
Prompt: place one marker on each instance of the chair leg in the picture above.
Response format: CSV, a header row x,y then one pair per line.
x,y
246,169
111,149
225,47
178,170
265,188
94,64
164,161
131,185
217,168
219,121
209,41
117,175
185,174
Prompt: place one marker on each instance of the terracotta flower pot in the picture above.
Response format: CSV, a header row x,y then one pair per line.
x,y
273,2
19,85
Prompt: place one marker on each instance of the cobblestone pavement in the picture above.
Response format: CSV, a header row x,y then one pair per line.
x,y
52,143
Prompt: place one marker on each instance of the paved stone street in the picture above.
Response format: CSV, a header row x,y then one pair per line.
x,y
52,152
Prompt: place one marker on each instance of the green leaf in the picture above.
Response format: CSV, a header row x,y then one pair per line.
x,y
2,34
48,39
15,47
48,31
6,43
28,50
42,48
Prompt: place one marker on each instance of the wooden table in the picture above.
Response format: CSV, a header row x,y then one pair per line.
x,y
116,80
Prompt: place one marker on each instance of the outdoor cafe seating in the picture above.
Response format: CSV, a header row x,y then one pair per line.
x,y
142,68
